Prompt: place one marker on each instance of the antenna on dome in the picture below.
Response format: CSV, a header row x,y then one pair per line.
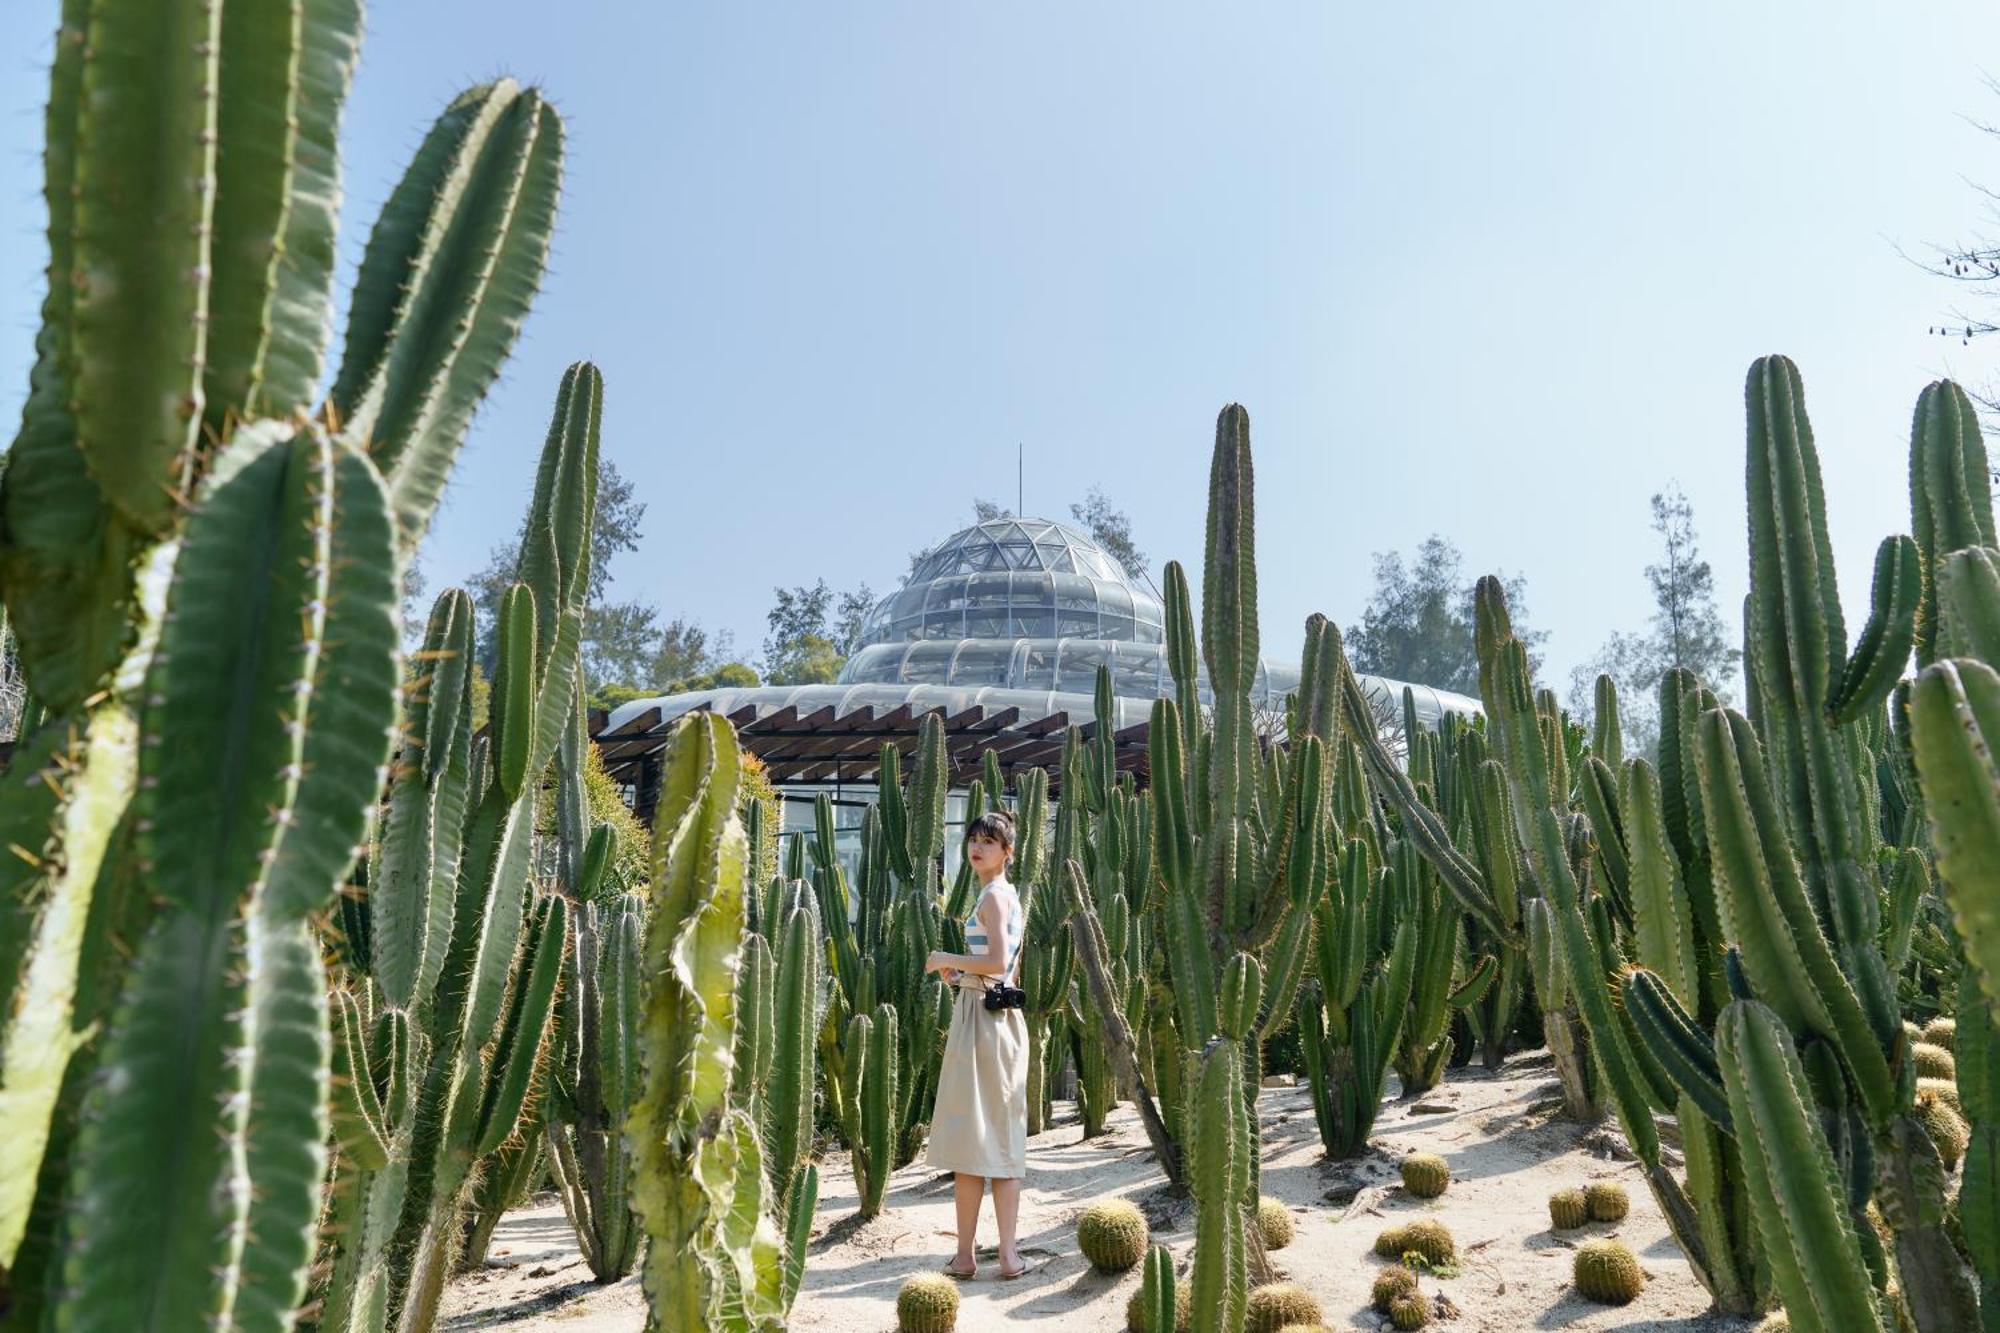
x,y
1020,481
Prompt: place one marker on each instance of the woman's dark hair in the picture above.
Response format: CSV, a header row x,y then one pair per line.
x,y
995,824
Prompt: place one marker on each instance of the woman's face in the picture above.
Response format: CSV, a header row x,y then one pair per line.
x,y
986,852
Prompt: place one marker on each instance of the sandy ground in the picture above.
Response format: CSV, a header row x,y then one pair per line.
x,y
1507,1155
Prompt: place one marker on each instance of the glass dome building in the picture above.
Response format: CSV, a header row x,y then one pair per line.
x,y
1002,627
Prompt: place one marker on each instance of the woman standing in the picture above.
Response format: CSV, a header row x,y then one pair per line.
x,y
979,1126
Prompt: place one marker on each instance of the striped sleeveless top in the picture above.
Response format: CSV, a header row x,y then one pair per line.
x,y
1013,927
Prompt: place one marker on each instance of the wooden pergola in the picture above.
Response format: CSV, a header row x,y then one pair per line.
x,y
825,746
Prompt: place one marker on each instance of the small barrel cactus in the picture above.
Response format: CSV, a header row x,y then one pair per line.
x,y
1775,1322
1933,1061
1135,1311
1112,1235
927,1303
1277,1304
1412,1311
1425,1174
1607,1201
1391,1284
1942,1032
1947,1129
1568,1209
1608,1273
1912,1033
1944,1088
1274,1220
1425,1238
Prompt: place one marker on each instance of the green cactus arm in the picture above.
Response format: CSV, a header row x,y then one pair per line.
x,y
360,1126
1420,821
1156,1290
801,1196
756,1020
1951,504
749,1251
1954,719
47,951
1771,920
344,752
1597,785
514,694
145,191
788,1138
1663,919
1800,642
517,1058
555,558
1473,989
1607,737
285,72
1884,646
1684,1052
1216,1132
444,285
929,779
1795,1193
401,899
1516,731
286,1134
492,895
1968,596
66,567
879,1094
1979,1180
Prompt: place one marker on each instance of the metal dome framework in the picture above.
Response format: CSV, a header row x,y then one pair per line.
x,y
1017,578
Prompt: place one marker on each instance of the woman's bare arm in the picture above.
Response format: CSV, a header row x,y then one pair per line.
x,y
993,962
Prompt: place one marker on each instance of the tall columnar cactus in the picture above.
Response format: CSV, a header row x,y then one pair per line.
x,y
1952,718
1521,738
585,1128
1239,836
191,176
1048,960
882,928
714,1258
479,1031
1351,1014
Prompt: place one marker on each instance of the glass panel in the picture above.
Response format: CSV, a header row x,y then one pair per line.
x,y
1038,667
1063,561
1074,590
947,594
1076,624
1020,555
982,663
878,661
1135,672
988,624
1114,599
1080,660
1031,594
988,590
1117,627
928,663
944,625
1034,622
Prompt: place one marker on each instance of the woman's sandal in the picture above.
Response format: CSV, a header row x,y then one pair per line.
x,y
1027,1266
951,1272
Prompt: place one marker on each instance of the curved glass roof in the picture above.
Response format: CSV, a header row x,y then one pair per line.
x,y
1009,578
1138,669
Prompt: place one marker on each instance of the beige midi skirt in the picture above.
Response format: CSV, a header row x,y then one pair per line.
x,y
979,1125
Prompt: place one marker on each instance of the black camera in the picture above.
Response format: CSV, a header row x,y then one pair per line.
x,y
1005,997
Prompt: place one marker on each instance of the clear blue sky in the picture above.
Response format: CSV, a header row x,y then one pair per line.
x,y
1495,271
